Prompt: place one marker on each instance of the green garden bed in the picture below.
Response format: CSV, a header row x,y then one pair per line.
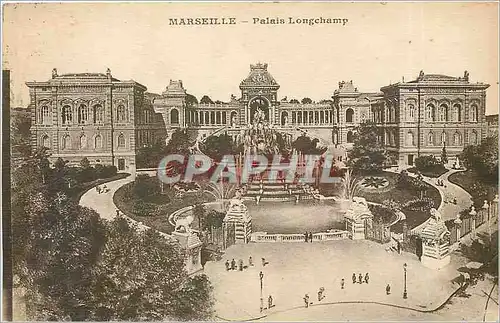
x,y
430,172
161,205
476,186
401,196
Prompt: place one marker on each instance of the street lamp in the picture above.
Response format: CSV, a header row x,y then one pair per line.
x,y
405,293
261,276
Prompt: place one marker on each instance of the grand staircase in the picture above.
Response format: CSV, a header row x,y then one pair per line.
x,y
261,190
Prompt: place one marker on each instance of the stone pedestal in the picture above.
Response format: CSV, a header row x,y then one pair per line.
x,y
191,245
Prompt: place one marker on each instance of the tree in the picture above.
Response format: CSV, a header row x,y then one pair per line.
x,y
444,155
294,101
191,101
218,146
305,145
60,255
482,159
427,162
199,213
147,281
306,101
206,100
145,187
20,135
368,154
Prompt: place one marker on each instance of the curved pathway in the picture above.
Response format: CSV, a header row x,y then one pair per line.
x,y
448,192
103,203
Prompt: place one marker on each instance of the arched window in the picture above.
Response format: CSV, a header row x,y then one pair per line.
x,y
430,112
98,113
83,114
44,115
83,142
67,114
474,113
45,141
66,142
411,112
457,112
121,141
120,113
284,118
430,139
457,139
174,116
410,138
349,114
350,137
98,142
473,138
443,113
234,120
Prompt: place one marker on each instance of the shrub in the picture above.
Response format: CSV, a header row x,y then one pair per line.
x,y
381,212
142,208
426,162
109,171
423,204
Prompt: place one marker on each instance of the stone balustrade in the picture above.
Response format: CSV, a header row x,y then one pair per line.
x,y
298,237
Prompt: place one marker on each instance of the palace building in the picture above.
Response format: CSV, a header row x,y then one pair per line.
x,y
108,120
93,115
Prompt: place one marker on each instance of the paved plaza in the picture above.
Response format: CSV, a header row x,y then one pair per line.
x,y
295,269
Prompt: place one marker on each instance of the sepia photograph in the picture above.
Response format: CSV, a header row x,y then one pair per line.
x,y
250,161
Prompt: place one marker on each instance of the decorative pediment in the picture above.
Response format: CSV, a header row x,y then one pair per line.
x,y
259,77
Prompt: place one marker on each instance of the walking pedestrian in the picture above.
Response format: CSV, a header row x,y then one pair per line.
x,y
388,289
270,302
367,278
97,189
320,294
240,264
306,300
342,283
233,264
310,237
360,278
250,261
353,278
307,236
228,266
117,213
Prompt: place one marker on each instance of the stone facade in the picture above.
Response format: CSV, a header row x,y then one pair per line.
x,y
418,117
92,115
492,125
422,116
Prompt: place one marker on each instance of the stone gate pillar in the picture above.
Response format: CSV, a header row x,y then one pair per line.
x,y
435,242
238,215
358,219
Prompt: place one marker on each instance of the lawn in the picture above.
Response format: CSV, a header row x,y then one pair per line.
x,y
160,204
401,195
475,185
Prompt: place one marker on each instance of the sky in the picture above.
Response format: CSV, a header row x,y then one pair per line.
x,y
381,43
